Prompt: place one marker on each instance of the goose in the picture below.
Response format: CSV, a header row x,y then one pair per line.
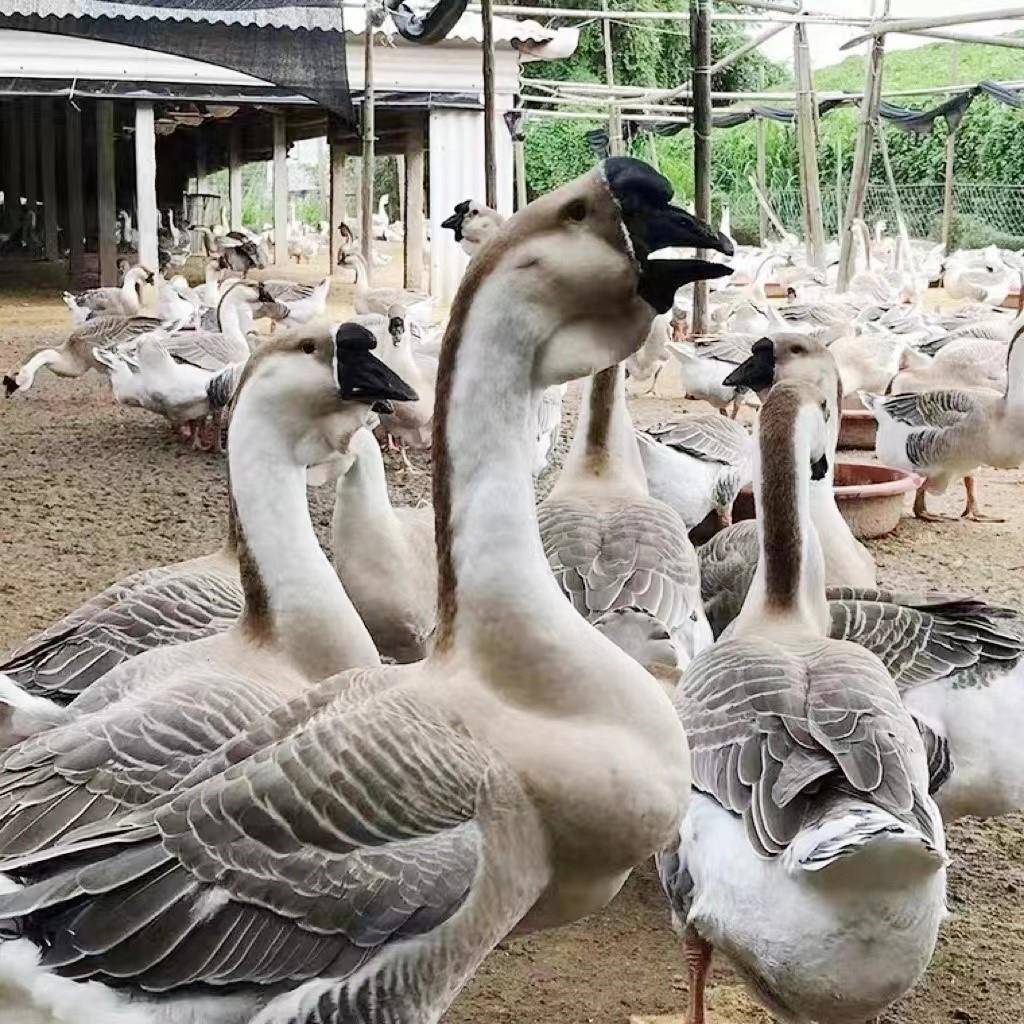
x,y
548,425
176,302
380,218
414,305
608,541
511,780
76,356
728,560
297,403
128,237
409,424
472,223
944,434
989,280
175,246
303,302
240,250
968,363
384,556
811,854
703,370
121,301
649,360
696,465
209,290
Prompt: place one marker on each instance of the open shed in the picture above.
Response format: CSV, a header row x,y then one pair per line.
x,y
94,126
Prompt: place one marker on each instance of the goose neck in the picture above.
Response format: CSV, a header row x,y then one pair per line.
x,y
1014,395
496,596
788,590
229,319
293,598
604,451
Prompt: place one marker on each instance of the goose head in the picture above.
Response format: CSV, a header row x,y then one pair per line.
x,y
795,415
472,223
574,270
318,386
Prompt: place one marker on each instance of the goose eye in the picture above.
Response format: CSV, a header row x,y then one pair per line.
x,y
693,616
308,347
576,210
824,410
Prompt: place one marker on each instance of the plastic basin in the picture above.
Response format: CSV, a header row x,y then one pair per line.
x,y
857,430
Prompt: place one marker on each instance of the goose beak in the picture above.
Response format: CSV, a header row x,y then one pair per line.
x,y
454,222
10,385
819,468
758,372
652,224
360,375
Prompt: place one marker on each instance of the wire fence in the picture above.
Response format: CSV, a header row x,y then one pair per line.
x,y
983,214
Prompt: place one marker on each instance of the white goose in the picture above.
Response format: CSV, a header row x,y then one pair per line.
x,y
382,301
945,434
385,556
703,370
304,302
811,855
609,543
472,223
297,624
124,300
76,356
398,822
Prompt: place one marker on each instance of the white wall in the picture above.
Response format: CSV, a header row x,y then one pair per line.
x,y
456,145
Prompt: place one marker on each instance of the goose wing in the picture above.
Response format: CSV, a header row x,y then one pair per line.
x,y
938,409
612,556
767,727
209,350
362,829
113,330
708,438
727,565
289,291
153,608
921,640
731,349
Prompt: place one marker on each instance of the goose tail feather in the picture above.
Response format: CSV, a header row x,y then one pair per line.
x,y
24,714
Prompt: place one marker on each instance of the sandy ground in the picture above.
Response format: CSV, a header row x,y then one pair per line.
x,y
91,491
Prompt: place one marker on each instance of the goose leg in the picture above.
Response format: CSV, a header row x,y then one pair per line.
x,y
697,953
971,511
922,513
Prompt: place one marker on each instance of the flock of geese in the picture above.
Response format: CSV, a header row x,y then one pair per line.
x,y
257,787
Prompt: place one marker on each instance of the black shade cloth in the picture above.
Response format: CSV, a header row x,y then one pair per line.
x,y
919,122
311,63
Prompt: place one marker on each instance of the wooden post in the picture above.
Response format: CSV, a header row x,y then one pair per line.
x,y
145,185
861,160
415,219
369,164
235,175
947,191
12,164
200,160
400,175
106,193
76,205
337,210
519,156
48,158
839,187
615,142
490,155
700,22
280,190
814,231
31,155
762,175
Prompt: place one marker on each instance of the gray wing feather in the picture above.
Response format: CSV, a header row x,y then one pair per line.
x,y
727,565
931,408
209,350
709,438
616,557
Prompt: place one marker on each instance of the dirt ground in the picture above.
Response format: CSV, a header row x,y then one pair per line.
x,y
91,491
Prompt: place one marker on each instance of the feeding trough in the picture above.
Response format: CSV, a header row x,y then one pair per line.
x,y
857,430
870,497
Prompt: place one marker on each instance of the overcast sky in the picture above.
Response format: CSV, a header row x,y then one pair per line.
x,y
826,40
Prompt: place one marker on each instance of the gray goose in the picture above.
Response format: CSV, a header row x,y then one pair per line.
x,y
356,854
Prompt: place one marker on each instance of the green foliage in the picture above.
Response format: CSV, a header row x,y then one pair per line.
x,y
971,233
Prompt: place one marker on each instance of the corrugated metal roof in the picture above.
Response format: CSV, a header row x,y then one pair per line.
x,y
328,19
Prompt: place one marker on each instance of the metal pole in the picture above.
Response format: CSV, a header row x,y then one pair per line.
x,y
947,191
700,36
366,201
490,159
762,175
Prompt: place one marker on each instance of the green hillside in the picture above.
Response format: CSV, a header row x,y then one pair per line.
x,y
927,66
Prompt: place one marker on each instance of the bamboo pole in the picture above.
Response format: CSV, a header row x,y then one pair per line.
x,y
839,187
490,159
751,17
814,234
766,207
48,165
947,190
76,204
861,160
751,44
911,25
106,193
762,176
615,145
366,199
701,14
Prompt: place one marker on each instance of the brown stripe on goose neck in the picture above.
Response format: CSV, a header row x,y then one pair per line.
x,y
255,621
778,512
602,398
476,273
